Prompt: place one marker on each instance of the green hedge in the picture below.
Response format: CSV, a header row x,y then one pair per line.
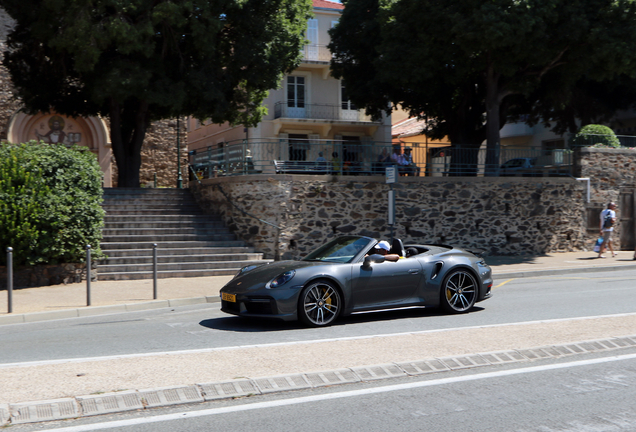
x,y
594,135
50,198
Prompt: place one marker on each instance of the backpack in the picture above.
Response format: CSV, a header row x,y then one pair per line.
x,y
608,222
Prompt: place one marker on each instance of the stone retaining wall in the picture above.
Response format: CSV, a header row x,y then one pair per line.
x,y
502,216
44,275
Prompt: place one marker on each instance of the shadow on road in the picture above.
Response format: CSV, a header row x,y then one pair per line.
x,y
256,325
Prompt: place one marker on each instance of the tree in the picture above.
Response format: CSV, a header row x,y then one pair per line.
x,y
137,62
479,57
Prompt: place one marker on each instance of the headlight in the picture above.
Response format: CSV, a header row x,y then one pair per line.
x,y
281,279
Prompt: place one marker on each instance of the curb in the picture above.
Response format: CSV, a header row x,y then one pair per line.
x,y
130,400
556,272
102,310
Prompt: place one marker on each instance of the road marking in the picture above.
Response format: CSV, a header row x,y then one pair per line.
x,y
340,395
503,283
304,342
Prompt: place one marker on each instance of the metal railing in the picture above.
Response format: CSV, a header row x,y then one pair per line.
x,y
318,53
89,276
319,112
337,157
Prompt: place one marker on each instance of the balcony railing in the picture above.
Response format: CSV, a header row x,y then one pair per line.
x,y
288,156
319,112
318,53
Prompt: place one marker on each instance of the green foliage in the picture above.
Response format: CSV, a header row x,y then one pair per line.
x,y
49,203
455,61
136,61
594,135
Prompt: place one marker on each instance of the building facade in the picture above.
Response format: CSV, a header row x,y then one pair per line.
x,y
308,117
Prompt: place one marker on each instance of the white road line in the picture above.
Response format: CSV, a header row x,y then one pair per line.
x,y
338,395
279,344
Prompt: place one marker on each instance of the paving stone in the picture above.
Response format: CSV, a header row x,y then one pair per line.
x,y
170,396
464,361
30,412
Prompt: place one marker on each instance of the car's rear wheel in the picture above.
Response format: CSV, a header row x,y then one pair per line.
x,y
319,304
459,291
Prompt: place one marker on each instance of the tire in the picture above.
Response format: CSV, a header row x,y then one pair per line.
x,y
319,304
459,291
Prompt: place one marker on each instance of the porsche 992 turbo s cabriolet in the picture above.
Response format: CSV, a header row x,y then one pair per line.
x,y
345,276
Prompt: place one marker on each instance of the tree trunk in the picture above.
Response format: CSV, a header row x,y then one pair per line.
x,y
493,103
128,124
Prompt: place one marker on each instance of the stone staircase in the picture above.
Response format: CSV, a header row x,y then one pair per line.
x,y
189,242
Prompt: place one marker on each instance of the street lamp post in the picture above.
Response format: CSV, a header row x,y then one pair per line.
x,y
179,175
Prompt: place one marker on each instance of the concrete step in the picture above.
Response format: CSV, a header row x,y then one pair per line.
x,y
131,232
139,260
168,238
131,268
197,218
163,225
146,253
169,245
166,274
153,211
189,242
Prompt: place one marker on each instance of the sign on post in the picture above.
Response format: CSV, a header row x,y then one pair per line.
x,y
391,174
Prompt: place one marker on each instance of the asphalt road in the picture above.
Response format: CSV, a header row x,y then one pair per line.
x,y
582,392
589,393
204,326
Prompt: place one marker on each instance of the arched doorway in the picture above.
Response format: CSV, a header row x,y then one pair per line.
x,y
52,128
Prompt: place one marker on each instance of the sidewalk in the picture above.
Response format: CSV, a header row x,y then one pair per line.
x,y
67,301
75,388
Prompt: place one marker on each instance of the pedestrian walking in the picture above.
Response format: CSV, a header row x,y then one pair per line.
x,y
608,219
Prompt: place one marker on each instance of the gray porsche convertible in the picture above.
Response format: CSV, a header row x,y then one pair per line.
x,y
345,276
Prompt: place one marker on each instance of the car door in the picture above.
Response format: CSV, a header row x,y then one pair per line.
x,y
385,284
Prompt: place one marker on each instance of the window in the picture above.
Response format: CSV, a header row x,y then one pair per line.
x,y
344,97
296,92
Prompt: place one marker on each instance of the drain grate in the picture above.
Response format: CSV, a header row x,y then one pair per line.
x,y
464,362
341,376
44,411
281,383
229,389
110,403
423,367
368,373
170,396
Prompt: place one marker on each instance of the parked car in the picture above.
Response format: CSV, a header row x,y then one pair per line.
x,y
345,276
518,167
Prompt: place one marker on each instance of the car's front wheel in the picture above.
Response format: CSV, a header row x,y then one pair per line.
x,y
319,304
459,291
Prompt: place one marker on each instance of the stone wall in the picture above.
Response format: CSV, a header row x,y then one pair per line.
x,y
159,155
502,216
611,171
43,275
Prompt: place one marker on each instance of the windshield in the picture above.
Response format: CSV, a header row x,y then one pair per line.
x,y
342,249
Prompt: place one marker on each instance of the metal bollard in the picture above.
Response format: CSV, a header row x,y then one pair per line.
x,y
10,278
154,271
88,275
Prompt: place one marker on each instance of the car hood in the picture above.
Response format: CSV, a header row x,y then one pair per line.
x,y
258,277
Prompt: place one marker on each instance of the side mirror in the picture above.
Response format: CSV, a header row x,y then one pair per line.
x,y
375,258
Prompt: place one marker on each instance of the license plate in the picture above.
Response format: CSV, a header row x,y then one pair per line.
x,y
228,297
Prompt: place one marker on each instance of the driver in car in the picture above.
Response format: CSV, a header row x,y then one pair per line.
x,y
382,248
